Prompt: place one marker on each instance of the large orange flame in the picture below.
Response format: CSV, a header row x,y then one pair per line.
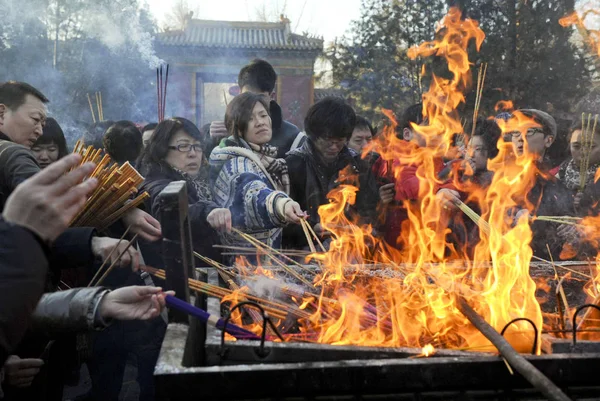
x,y
413,302
418,306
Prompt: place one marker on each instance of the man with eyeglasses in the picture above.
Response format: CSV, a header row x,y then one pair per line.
x,y
535,140
548,196
315,167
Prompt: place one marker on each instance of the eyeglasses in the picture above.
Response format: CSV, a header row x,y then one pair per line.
x,y
530,132
186,147
332,142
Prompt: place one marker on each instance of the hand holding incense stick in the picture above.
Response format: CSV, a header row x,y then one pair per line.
x,y
108,257
117,260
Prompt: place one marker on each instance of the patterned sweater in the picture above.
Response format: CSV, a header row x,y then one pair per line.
x,y
240,183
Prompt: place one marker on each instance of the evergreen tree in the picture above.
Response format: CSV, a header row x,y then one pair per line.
x,y
531,58
372,66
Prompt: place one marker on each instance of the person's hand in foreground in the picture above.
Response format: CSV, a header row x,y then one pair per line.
x,y
48,201
386,193
293,212
21,372
449,198
220,219
133,303
102,247
143,224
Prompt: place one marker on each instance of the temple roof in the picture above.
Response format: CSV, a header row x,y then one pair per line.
x,y
244,35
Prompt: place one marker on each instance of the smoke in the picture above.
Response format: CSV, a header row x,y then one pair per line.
x,y
102,47
122,33
14,13
269,288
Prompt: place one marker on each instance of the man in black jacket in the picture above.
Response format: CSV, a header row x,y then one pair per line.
x,y
260,77
548,196
315,167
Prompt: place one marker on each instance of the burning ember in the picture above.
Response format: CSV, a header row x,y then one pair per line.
x,y
428,350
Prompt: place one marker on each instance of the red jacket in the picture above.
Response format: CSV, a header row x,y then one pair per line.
x,y
406,189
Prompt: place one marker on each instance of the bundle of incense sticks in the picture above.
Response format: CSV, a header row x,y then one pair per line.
x,y
161,91
587,142
479,94
98,96
112,197
276,309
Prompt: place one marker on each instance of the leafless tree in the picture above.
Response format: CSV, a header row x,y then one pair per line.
x,y
180,14
274,13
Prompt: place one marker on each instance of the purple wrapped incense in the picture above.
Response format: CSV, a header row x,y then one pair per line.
x,y
204,316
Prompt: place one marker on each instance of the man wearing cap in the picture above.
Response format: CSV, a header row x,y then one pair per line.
x,y
548,196
538,139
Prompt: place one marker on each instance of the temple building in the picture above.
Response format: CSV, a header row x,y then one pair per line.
x,y
206,57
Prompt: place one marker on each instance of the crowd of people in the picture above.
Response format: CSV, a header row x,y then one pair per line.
x,y
253,172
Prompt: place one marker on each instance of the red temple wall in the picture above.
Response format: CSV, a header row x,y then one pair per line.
x,y
295,97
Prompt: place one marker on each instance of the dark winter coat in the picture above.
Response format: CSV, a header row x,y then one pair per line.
x,y
311,179
57,314
553,199
203,235
23,269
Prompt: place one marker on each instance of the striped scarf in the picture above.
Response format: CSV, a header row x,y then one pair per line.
x,y
199,183
277,168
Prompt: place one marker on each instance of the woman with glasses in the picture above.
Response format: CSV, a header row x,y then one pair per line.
x,y
175,153
247,177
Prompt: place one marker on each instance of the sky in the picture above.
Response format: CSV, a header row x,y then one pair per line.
x,y
326,18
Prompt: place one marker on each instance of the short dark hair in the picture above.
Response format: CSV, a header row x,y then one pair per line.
x,y
490,133
239,111
94,136
13,94
578,125
123,142
53,134
363,123
258,75
149,127
330,117
158,147
412,114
